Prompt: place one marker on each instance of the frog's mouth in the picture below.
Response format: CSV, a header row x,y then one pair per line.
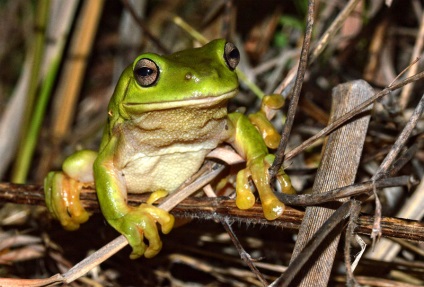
x,y
199,102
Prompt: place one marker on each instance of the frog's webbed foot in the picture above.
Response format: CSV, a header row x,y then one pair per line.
x,y
62,189
257,170
270,104
140,223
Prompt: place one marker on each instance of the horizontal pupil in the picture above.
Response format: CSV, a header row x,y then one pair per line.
x,y
144,72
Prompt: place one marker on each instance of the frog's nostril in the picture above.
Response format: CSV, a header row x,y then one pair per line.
x,y
188,76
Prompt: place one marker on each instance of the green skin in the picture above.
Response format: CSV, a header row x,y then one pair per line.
x,y
155,138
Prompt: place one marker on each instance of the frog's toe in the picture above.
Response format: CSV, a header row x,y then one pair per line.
x,y
134,235
139,224
273,101
273,209
161,216
269,134
285,183
79,214
166,221
155,244
245,198
156,195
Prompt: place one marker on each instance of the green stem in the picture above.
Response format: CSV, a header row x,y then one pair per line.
x,y
22,163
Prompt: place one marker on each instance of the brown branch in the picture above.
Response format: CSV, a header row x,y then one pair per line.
x,y
220,207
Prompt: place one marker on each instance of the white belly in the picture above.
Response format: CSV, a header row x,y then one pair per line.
x,y
166,171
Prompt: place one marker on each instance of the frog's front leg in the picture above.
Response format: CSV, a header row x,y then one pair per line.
x,y
135,223
62,189
249,143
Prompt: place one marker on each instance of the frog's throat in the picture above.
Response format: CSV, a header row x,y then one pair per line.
x,y
200,101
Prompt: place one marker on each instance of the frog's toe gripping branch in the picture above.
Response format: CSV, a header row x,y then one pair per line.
x,y
257,170
62,200
62,189
245,198
250,143
139,224
272,207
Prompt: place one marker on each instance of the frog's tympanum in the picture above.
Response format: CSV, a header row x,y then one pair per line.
x,y
166,114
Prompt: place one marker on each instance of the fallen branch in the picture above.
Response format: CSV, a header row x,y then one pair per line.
x,y
223,207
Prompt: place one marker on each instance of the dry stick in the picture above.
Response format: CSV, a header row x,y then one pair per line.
x,y
354,215
354,189
224,207
416,52
247,259
331,31
342,192
320,45
401,140
350,234
338,167
343,119
34,195
390,158
303,63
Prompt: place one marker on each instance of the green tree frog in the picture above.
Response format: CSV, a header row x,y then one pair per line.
x,y
166,114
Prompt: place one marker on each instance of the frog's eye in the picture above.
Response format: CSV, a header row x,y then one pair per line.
x,y
146,72
231,55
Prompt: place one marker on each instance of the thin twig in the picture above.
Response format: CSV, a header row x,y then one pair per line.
x,y
343,192
331,31
303,63
350,234
319,47
401,140
242,252
388,161
416,52
346,117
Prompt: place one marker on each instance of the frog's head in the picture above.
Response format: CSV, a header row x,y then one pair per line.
x,y
195,77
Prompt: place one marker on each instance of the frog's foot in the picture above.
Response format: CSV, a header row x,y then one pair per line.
x,y
62,200
139,224
269,133
257,170
62,189
261,119
271,103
